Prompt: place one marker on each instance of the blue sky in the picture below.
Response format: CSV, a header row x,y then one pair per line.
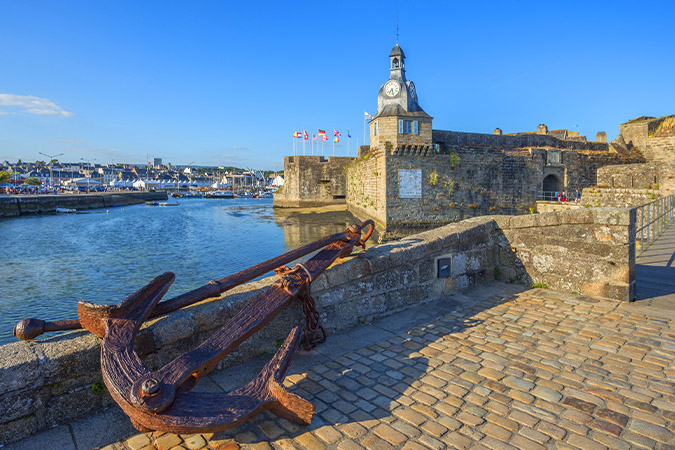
x,y
226,83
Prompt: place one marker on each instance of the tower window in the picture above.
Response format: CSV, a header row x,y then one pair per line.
x,y
394,63
376,130
408,127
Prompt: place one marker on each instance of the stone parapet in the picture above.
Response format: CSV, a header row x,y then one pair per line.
x,y
589,251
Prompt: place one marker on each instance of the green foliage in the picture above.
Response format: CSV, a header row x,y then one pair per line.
x,y
540,285
498,272
531,210
450,185
281,188
4,176
454,159
98,388
33,181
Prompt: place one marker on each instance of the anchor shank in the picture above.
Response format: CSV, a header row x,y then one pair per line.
x,y
188,368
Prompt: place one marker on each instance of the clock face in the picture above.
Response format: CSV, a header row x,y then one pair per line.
x,y
392,88
413,92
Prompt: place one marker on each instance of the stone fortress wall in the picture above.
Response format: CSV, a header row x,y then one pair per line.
x,y
471,174
44,384
654,137
312,181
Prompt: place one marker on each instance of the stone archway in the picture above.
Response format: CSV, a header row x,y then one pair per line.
x,y
552,184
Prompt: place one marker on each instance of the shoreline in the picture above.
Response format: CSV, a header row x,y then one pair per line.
x,y
22,205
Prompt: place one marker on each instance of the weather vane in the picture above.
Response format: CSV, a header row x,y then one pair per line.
x,y
397,28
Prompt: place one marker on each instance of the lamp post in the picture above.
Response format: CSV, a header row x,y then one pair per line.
x,y
51,158
89,177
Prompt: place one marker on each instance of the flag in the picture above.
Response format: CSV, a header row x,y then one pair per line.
x,y
314,137
297,134
336,132
349,136
324,138
367,116
336,139
322,133
306,136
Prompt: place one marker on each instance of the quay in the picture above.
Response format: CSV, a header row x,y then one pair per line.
x,y
19,205
497,367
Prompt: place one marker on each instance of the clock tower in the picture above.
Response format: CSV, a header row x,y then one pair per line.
x,y
400,124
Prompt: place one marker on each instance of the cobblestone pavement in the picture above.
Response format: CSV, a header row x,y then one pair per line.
x,y
530,370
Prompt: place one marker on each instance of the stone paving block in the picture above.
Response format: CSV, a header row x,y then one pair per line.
x,y
650,430
585,443
167,441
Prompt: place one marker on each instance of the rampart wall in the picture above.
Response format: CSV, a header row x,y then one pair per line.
x,y
18,205
652,175
461,181
44,384
312,181
659,148
520,141
594,197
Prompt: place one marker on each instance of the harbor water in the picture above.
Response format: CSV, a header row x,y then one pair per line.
x,y
51,262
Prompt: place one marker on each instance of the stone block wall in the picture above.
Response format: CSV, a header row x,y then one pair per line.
x,y
617,197
590,251
520,141
659,148
482,181
652,175
366,187
313,181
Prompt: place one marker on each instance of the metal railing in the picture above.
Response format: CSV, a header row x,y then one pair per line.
x,y
652,219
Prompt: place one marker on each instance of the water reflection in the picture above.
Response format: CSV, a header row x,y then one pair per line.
x,y
51,262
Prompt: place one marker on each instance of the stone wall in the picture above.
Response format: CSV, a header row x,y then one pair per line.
x,y
659,149
312,181
43,384
652,175
520,141
550,206
590,251
617,197
366,187
18,205
461,181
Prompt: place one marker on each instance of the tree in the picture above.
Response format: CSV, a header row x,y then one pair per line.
x,y
53,161
33,181
40,163
4,176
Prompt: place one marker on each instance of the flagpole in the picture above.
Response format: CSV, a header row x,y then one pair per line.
x,y
348,139
312,145
364,127
303,145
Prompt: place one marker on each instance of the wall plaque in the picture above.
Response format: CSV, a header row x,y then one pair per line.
x,y
410,183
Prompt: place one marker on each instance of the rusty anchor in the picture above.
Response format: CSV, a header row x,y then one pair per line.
x,y
162,400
